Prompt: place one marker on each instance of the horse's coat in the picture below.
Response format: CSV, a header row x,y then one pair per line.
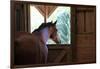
x,y
31,48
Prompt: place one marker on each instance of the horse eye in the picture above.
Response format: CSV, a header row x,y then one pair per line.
x,y
56,29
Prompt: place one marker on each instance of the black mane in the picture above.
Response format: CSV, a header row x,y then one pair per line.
x,y
43,25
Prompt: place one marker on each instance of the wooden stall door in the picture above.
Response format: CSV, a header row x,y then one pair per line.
x,y
86,34
59,54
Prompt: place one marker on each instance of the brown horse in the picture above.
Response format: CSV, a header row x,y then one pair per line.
x,y
31,48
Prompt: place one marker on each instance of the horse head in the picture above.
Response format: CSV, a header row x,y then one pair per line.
x,y
53,32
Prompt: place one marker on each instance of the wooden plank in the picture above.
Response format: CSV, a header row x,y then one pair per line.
x,y
60,56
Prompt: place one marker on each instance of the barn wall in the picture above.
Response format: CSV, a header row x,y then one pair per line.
x,y
86,34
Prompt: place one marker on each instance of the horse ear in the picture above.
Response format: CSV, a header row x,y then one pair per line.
x,y
55,22
51,21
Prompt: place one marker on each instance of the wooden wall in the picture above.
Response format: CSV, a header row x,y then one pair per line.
x,y
86,34
21,16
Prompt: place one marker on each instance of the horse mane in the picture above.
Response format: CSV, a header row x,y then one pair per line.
x,y
44,25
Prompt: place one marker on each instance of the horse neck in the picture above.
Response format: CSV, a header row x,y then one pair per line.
x,y
45,34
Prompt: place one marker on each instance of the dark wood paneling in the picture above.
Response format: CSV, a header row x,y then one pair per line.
x,y
90,21
60,54
86,38
80,22
85,19
86,50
